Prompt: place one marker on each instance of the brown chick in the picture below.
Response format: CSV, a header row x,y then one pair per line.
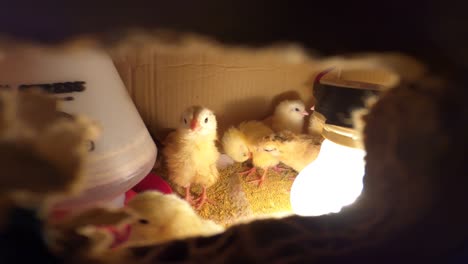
x,y
241,144
295,151
288,115
191,152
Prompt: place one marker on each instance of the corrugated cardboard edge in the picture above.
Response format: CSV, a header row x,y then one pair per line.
x,y
165,74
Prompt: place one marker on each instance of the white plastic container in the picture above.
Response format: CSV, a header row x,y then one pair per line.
x,y
89,84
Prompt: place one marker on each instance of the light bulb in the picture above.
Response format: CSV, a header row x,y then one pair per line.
x,y
332,181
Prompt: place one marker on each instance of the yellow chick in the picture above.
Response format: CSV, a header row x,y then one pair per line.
x,y
149,218
295,151
191,153
289,115
262,160
241,144
235,145
164,218
254,131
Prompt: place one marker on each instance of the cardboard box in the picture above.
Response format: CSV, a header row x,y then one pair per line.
x,y
165,76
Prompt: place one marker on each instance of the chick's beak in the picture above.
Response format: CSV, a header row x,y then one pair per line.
x,y
304,113
194,125
312,108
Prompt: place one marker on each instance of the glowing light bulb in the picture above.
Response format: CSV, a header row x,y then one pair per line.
x,y
332,181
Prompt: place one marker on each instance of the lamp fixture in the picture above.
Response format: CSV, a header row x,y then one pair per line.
x,y
335,178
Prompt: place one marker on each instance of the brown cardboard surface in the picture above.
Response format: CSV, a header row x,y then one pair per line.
x,y
165,73
165,77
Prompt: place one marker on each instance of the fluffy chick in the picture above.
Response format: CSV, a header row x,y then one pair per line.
x,y
164,218
191,152
235,145
289,115
241,144
295,151
149,218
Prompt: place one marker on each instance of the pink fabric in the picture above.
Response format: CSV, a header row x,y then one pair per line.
x,y
153,182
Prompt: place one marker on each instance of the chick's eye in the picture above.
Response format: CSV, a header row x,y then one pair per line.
x,y
143,221
206,120
296,109
268,149
185,121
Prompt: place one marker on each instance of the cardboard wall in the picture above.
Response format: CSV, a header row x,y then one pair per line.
x,y
168,73
165,77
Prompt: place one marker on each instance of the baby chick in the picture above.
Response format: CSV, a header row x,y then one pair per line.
x,y
241,144
149,218
164,218
295,151
191,152
235,145
289,115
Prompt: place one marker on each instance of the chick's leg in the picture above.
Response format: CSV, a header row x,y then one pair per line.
x,y
202,199
249,171
261,179
188,196
278,168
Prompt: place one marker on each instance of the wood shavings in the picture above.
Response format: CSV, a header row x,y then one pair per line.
x,y
229,202
272,197
235,201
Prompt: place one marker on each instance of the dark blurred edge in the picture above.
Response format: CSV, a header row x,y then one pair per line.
x,y
436,31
